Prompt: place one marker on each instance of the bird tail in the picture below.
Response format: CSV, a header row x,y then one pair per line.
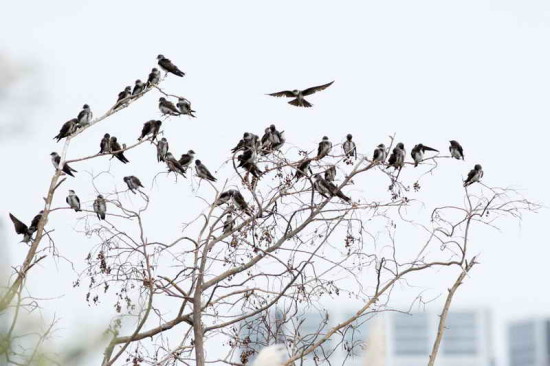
x,y
430,148
343,196
300,103
274,355
179,73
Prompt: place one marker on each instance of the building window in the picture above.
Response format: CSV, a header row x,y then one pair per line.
x,y
410,333
460,337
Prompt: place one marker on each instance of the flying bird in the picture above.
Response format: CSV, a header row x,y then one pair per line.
x,y
154,77
22,229
187,159
299,95
274,355
123,97
115,146
100,207
173,164
350,150
328,189
203,172
397,157
184,106
418,151
330,174
56,159
85,116
167,107
73,201
325,146
67,129
139,87
133,183
162,149
474,175
168,66
380,154
456,150
151,127
105,144
302,169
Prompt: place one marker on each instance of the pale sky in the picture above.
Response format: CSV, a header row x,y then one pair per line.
x,y
430,71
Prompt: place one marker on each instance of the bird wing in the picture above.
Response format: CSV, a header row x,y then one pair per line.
x,y
315,89
284,93
471,175
168,65
138,182
20,228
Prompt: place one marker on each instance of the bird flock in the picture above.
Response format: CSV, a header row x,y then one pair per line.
x,y
249,148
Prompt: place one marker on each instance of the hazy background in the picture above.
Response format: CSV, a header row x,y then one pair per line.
x,y
475,71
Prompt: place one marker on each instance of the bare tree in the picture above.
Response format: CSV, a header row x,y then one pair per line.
x,y
276,240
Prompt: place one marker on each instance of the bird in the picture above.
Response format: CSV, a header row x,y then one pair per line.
x,y
330,174
115,146
173,164
248,156
350,150
274,355
328,189
184,106
325,146
73,201
139,87
474,175
380,154
228,224
272,139
168,66
203,172
100,207
418,151
224,197
151,127
56,159
397,157
252,168
105,144
133,183
302,169
21,229
167,107
187,159
85,116
299,95
123,97
154,77
67,129
239,202
243,143
162,149
456,150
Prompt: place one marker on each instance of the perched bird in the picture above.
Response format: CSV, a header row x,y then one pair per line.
x,y
302,169
299,95
21,229
115,146
67,129
325,146
274,355
245,142
162,149
239,202
154,77
252,168
56,159
187,159
474,175
168,66
123,97
167,107
203,172
224,197
248,156
173,164
151,127
456,150
397,157
330,174
73,201
184,106
380,154
228,224
100,207
133,183
105,144
139,87
85,116
350,150
272,139
418,151
328,189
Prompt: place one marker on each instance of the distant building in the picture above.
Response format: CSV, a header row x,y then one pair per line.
x,y
529,342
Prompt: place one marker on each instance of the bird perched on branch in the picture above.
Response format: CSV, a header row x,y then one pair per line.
x,y
133,183
224,197
73,201
56,160
456,150
328,189
123,97
67,129
272,139
173,164
153,78
380,154
274,355
184,106
162,149
245,142
23,229
299,95
302,169
418,151
115,146
168,66
350,150
85,116
105,144
397,157
187,159
151,127
167,107
474,175
139,87
330,174
100,207
325,146
228,224
203,172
